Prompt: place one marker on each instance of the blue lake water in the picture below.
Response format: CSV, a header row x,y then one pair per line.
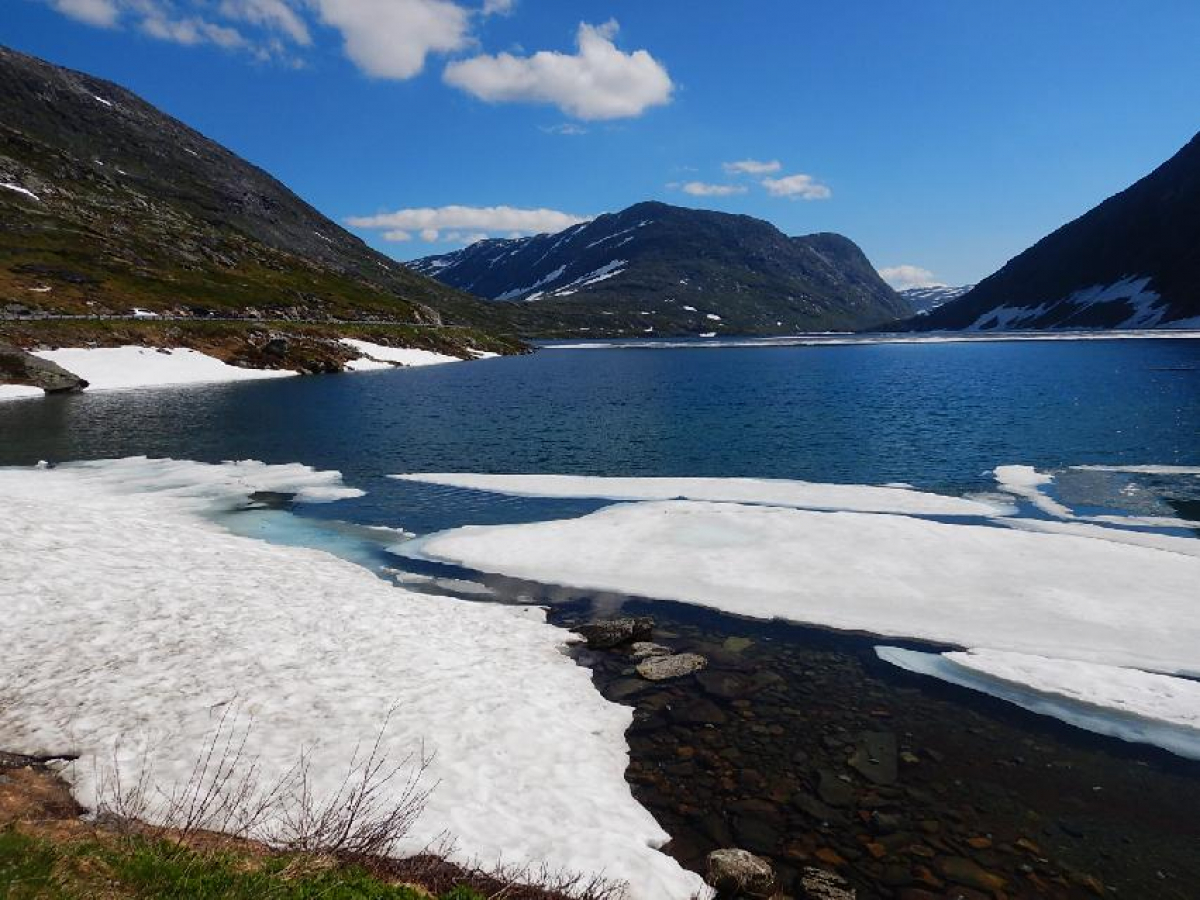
x,y
939,416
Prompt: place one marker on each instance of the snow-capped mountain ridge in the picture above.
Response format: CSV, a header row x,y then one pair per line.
x,y
655,268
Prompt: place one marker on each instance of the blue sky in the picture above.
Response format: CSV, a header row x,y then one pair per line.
x,y
942,135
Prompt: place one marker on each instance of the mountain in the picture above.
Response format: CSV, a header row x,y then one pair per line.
x,y
107,204
655,268
923,299
1132,262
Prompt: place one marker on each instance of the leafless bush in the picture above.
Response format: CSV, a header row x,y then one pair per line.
x,y
365,816
225,792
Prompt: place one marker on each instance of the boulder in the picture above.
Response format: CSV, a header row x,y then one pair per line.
x,y
739,873
660,668
19,367
609,633
642,649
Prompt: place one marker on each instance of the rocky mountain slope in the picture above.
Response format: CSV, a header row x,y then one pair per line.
x,y
924,299
107,204
655,268
1132,262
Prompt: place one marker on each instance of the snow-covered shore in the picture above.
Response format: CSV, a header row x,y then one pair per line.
x,y
133,622
138,367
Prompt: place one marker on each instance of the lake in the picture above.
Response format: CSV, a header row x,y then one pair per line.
x,y
753,758
939,416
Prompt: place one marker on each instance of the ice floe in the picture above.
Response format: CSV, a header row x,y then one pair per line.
x,y
1137,706
1143,470
1027,482
969,585
764,491
124,368
1082,529
132,623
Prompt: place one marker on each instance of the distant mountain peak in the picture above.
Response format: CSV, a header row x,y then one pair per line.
x,y
658,268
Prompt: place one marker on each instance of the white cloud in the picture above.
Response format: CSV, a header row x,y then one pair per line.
x,y
465,223
101,13
703,189
192,30
391,38
468,237
275,15
797,187
567,128
904,277
498,7
597,82
752,167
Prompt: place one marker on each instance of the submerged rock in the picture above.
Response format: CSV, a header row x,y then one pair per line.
x,y
820,884
737,873
609,633
660,668
875,757
642,649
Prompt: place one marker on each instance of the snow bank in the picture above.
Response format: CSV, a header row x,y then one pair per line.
x,y
1129,704
767,492
379,356
19,392
969,585
132,622
123,368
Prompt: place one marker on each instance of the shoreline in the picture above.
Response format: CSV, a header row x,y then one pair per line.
x,y
69,356
764,752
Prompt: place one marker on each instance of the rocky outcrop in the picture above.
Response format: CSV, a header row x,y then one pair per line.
x,y
19,367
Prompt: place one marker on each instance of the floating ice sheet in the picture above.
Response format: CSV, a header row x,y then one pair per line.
x,y
768,492
970,585
1129,704
131,622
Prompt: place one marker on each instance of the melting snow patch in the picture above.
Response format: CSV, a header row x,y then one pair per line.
x,y
131,622
19,392
379,356
712,317
121,368
1129,704
20,190
102,100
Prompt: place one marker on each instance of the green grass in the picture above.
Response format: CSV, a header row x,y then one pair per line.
x,y
33,868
